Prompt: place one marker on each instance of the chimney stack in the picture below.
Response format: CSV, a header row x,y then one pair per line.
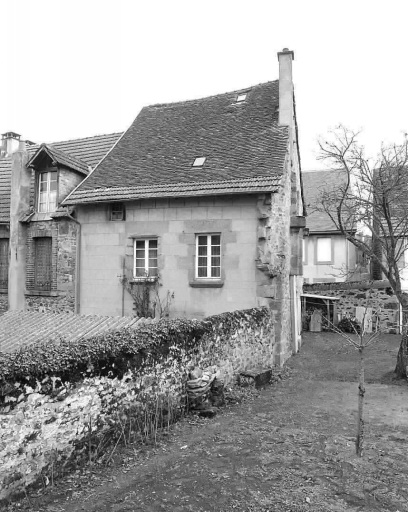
x,y
10,142
286,113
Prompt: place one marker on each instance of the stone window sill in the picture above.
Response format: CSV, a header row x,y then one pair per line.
x,y
137,280
206,283
41,293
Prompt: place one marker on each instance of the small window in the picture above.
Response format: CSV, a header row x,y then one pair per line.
x,y
241,97
47,192
199,162
324,250
208,256
117,211
43,263
4,262
145,258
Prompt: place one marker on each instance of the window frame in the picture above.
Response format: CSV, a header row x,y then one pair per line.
x,y
323,262
49,174
120,208
209,256
147,248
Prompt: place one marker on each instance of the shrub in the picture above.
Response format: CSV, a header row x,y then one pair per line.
x,y
350,325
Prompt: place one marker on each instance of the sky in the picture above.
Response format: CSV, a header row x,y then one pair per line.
x,y
73,69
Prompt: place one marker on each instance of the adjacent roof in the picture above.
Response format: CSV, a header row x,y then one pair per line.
x,y
314,183
19,328
77,154
243,145
60,157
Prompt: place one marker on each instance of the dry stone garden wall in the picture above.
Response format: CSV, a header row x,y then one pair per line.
x,y
375,294
61,403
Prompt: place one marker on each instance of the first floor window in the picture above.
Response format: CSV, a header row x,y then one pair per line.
x,y
208,256
324,250
145,257
47,192
43,262
117,211
4,248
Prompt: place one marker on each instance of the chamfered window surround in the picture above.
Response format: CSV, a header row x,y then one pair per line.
x,y
324,251
145,259
208,256
47,192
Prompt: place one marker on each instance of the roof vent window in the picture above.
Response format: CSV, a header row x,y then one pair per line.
x,y
241,97
199,162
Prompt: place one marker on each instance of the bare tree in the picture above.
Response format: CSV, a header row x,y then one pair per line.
x,y
373,200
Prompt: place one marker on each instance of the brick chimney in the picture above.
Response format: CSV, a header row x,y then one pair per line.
x,y
9,143
286,113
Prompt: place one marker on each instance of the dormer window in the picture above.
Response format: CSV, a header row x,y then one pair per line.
x,y
241,97
47,192
199,162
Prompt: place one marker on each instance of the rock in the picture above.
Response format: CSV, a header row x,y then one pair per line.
x,y
196,373
217,393
208,413
258,376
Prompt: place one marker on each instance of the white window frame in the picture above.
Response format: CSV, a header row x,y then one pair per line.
x,y
47,192
209,245
147,269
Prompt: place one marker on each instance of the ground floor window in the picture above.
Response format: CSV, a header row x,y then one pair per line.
x,y
145,258
4,262
208,256
43,263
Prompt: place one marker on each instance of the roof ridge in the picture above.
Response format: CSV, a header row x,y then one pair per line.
x,y
84,138
183,102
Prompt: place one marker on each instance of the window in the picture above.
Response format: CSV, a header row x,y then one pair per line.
x,y
43,262
241,97
199,162
117,211
47,192
4,248
324,250
145,258
208,256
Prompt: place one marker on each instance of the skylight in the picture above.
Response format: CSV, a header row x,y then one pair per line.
x,y
199,162
241,97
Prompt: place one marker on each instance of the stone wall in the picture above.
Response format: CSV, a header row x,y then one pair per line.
x,y
44,432
375,294
64,303
3,302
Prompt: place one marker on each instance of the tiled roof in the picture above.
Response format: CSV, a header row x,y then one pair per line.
x,y
18,328
79,154
5,189
314,182
240,186
239,141
60,157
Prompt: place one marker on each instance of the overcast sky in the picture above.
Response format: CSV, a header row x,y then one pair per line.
x,y
74,68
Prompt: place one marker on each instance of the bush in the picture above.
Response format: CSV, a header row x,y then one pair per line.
x,y
349,325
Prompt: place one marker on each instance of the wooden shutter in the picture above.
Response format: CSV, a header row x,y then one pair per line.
x,y
4,262
43,263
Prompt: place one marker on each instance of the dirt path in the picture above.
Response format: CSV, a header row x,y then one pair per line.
x,y
288,448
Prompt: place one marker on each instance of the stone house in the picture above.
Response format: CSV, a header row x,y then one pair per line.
x,y
327,255
38,244
199,205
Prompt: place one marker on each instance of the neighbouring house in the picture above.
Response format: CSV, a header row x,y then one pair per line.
x,y
327,255
199,210
38,244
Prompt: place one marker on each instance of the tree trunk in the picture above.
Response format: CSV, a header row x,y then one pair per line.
x,y
402,357
360,420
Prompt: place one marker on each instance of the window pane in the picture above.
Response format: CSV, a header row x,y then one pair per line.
x,y
153,272
140,253
52,201
140,272
153,244
202,240
202,271
324,249
215,240
215,261
202,261
152,263
140,244
216,250
215,272
152,253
